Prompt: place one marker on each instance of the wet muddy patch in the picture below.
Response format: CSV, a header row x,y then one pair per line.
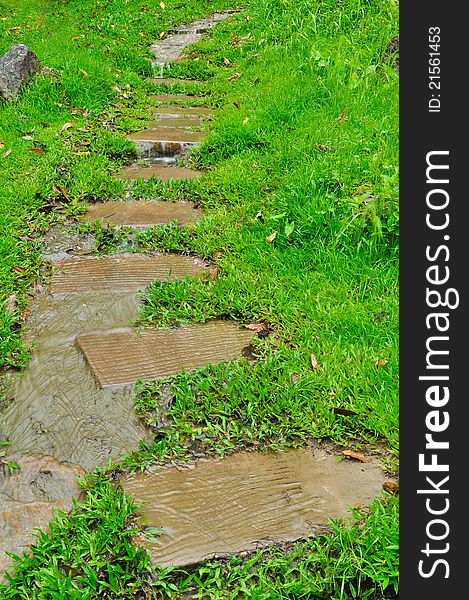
x,y
28,499
217,507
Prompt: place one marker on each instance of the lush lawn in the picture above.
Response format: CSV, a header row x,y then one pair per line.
x,y
301,202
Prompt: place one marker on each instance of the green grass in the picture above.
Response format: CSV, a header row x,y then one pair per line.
x,y
304,145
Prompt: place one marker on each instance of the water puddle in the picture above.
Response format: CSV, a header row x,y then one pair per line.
x,y
248,500
122,356
141,214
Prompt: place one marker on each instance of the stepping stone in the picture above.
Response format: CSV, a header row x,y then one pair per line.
x,y
194,112
120,273
169,81
141,214
159,171
248,500
174,98
122,356
164,141
182,122
28,498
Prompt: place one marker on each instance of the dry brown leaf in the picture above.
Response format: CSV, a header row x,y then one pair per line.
x,y
391,487
162,5
7,153
84,73
17,269
237,104
235,75
28,138
217,255
356,455
2,145
37,150
314,361
227,61
270,238
62,190
323,147
245,120
257,327
345,412
66,126
261,41
381,362
343,116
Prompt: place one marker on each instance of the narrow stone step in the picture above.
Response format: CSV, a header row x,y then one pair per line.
x,y
195,112
251,499
182,122
170,81
159,171
165,141
28,498
141,214
122,356
174,98
121,273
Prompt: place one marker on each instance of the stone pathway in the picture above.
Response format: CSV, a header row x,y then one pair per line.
x,y
71,410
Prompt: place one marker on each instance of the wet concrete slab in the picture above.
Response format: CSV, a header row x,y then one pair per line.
x,y
122,356
184,112
170,81
124,272
174,98
28,499
141,214
165,141
163,172
248,500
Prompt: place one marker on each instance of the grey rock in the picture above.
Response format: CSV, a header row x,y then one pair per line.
x,y
16,67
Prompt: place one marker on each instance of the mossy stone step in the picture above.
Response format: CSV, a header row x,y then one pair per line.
x,y
122,356
218,507
124,272
141,214
163,172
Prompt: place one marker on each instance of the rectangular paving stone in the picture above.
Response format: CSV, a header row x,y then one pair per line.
x,y
141,214
164,141
173,81
174,98
163,172
122,356
184,111
120,273
248,500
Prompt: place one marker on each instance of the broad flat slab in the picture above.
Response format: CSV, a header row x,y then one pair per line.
x,y
122,356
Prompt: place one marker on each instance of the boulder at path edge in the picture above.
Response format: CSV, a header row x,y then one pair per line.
x,y
16,67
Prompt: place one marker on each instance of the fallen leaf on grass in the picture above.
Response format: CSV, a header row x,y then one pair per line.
x,y
17,269
28,138
381,362
84,73
37,150
355,455
235,75
217,255
162,5
344,412
7,153
245,120
237,104
391,487
270,238
257,327
62,190
227,61
314,361
2,145
66,126
343,116
323,147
